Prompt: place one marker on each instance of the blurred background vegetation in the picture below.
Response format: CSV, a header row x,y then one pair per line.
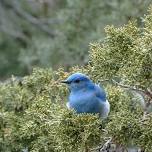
x,y
51,33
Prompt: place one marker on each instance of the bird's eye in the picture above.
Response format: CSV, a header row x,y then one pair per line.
x,y
77,81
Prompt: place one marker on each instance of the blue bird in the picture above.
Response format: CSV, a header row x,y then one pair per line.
x,y
86,96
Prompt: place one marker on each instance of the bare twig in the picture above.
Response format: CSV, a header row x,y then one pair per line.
x,y
145,92
126,86
103,147
104,80
145,117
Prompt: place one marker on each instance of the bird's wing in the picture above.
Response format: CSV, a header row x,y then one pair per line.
x,y
100,93
101,97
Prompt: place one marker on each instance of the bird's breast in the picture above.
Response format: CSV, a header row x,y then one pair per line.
x,y
82,96
82,102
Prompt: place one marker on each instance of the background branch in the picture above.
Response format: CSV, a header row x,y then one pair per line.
x,y
28,17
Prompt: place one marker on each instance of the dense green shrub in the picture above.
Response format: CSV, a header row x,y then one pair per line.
x,y
34,116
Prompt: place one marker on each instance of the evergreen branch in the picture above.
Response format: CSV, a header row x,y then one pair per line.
x,y
145,92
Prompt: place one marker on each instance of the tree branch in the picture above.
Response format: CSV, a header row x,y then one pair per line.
x,y
31,19
5,25
103,147
145,92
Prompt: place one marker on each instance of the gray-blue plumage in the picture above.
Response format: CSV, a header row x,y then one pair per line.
x,y
86,96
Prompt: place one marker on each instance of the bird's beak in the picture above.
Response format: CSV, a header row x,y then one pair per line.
x,y
65,81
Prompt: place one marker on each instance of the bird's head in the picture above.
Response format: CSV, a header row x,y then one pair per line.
x,y
77,81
